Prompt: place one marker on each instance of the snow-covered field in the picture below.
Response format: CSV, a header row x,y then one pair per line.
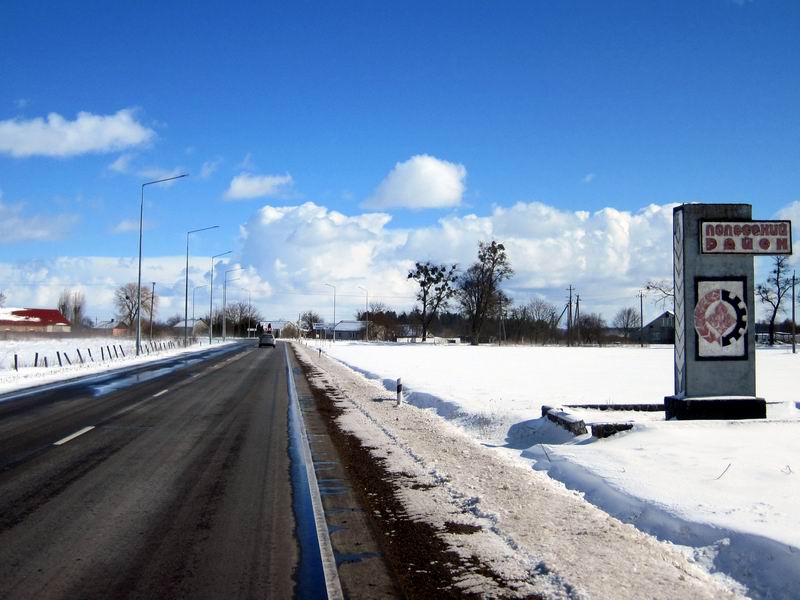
x,y
728,489
99,354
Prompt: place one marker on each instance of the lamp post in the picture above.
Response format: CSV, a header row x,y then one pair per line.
x,y
152,310
225,300
211,299
366,309
334,310
139,281
186,296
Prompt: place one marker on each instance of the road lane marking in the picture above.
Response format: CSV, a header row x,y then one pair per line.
x,y
73,436
161,393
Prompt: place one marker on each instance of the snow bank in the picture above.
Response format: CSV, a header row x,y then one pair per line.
x,y
537,538
26,350
664,477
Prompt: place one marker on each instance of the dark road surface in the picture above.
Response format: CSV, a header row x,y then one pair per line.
x,y
176,487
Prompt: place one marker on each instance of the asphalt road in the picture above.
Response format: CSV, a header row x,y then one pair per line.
x,y
180,489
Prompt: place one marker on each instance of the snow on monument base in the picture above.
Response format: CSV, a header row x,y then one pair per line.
x,y
715,408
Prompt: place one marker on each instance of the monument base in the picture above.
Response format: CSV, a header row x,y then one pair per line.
x,y
715,407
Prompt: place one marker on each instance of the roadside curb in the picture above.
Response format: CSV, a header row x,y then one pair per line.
x,y
332,584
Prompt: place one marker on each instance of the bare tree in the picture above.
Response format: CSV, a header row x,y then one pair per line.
x,y
626,320
65,303
662,290
591,326
240,316
308,318
125,302
436,288
289,330
479,287
774,289
78,302
2,299
544,317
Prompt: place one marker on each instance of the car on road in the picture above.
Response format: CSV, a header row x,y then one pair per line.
x,y
266,339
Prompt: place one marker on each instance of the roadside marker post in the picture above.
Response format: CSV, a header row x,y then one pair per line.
x,y
399,391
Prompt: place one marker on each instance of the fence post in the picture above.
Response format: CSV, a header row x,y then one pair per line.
x,y
78,350
102,354
16,364
68,360
45,362
121,349
36,360
89,350
399,391
58,354
116,354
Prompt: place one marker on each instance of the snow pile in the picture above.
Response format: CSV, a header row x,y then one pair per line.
x,y
123,352
727,490
537,537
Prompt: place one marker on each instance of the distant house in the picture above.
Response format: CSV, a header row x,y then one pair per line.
x,y
196,326
660,330
37,320
346,330
114,327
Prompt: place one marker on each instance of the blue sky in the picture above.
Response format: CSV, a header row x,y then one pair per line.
x,y
579,106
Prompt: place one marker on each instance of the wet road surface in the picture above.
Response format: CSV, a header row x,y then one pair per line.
x,y
176,486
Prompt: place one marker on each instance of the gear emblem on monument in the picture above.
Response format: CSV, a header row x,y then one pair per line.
x,y
720,319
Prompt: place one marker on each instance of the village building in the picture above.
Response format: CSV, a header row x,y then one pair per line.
x,y
660,330
33,320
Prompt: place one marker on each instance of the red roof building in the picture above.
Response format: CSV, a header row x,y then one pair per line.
x,y
46,320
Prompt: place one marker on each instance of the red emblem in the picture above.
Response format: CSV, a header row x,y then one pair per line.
x,y
720,317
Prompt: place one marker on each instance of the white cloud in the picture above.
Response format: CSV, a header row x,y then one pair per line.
x,y
16,226
122,164
128,226
246,185
588,178
88,133
209,167
607,254
39,282
247,163
21,103
422,181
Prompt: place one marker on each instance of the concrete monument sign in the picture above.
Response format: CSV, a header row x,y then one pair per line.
x,y
715,362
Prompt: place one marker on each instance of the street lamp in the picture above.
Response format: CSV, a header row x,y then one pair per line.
x,y
139,282
186,297
366,309
152,310
334,310
225,300
211,299
194,289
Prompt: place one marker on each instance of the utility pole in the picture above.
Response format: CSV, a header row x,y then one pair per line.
x,y
152,310
569,317
641,319
578,317
794,327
